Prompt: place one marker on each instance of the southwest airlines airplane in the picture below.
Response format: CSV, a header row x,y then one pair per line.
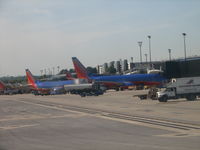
x,y
116,81
2,86
45,88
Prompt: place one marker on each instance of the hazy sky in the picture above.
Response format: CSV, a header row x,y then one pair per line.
x,y
38,34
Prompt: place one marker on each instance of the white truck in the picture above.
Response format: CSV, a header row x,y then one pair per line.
x,y
188,88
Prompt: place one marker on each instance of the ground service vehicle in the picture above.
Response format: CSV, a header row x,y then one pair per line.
x,y
188,88
152,94
85,89
11,91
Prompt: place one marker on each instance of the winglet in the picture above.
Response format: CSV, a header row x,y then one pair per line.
x,y
31,80
80,69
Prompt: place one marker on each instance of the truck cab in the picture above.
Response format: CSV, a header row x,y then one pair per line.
x,y
164,95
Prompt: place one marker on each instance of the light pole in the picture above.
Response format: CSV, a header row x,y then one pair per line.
x,y
169,50
184,34
132,59
58,68
45,72
41,72
53,70
49,71
149,49
145,57
140,45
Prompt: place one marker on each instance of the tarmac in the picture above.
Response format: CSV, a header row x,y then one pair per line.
x,y
113,121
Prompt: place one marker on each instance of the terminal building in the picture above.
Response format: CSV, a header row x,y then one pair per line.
x,y
182,68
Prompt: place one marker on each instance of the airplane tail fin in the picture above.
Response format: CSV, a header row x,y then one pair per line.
x,y
80,69
68,75
2,85
31,80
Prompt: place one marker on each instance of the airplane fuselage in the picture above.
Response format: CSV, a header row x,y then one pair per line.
x,y
53,84
128,80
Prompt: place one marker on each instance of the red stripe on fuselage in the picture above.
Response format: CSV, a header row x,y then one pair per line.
x,y
118,84
146,83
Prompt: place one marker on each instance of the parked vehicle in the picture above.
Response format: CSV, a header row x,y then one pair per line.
x,y
11,91
188,88
85,89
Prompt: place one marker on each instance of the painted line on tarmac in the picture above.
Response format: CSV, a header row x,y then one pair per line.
x,y
17,126
177,130
34,117
51,107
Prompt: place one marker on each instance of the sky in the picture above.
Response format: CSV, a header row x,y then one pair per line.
x,y
42,34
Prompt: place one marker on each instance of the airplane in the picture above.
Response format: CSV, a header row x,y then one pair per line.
x,y
2,87
74,86
10,89
66,75
118,81
46,87
69,76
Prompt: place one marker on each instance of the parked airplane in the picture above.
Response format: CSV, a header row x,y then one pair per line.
x,y
2,87
69,76
65,75
75,86
46,87
116,81
10,89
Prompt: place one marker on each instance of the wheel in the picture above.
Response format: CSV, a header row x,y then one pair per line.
x,y
82,94
121,89
191,97
163,99
117,89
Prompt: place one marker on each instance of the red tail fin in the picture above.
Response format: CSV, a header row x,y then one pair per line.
x,y
31,80
80,69
69,76
2,85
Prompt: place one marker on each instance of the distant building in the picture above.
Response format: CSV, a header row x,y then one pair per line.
x,y
131,66
111,64
124,65
104,68
100,69
117,66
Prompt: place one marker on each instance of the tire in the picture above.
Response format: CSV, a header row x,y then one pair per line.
x,y
163,99
117,89
191,97
82,94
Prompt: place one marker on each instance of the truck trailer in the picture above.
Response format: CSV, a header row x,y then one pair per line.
x,y
85,89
